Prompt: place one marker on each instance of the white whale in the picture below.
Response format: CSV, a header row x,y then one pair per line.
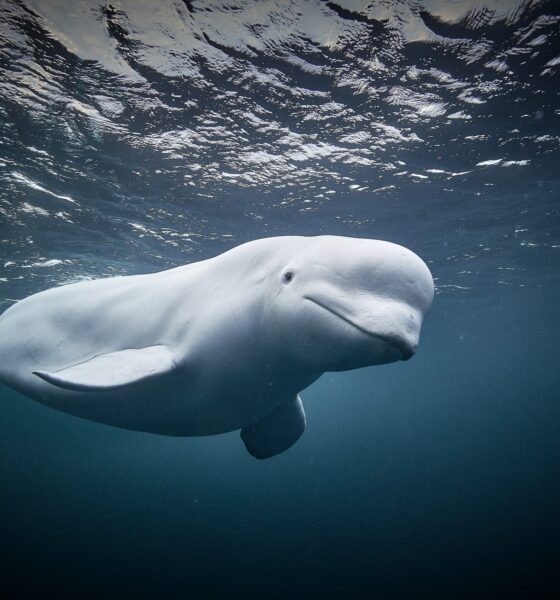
x,y
221,344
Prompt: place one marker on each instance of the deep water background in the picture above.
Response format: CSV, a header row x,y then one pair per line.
x,y
434,477
135,138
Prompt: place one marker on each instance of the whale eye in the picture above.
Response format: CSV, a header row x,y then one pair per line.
x,y
288,276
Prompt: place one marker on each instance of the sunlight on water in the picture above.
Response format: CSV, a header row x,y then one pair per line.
x,y
137,138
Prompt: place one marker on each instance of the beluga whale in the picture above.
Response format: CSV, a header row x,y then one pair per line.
x,y
222,344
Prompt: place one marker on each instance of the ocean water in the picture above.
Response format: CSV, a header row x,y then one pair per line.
x,y
136,136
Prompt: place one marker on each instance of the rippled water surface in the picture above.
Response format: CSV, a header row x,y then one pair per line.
x,y
136,136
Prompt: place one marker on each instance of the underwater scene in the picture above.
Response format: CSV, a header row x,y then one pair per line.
x,y
301,333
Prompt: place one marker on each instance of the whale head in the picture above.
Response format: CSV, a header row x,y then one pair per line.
x,y
344,303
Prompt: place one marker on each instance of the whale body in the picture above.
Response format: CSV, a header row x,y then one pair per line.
x,y
222,344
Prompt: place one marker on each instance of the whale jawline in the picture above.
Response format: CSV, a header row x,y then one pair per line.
x,y
384,338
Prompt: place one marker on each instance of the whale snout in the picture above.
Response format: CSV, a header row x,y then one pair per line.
x,y
389,329
406,349
399,348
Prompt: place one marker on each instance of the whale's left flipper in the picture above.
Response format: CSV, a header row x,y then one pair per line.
x,y
113,370
276,431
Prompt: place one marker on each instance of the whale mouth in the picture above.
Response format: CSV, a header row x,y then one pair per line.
x,y
402,347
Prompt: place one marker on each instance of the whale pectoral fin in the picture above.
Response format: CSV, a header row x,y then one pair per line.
x,y
114,370
276,431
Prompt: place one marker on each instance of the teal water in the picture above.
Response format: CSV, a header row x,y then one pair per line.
x,y
135,139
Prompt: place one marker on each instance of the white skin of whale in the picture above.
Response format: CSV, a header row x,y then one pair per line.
x,y
221,344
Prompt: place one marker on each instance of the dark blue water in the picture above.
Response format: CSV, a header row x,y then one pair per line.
x,y
137,136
